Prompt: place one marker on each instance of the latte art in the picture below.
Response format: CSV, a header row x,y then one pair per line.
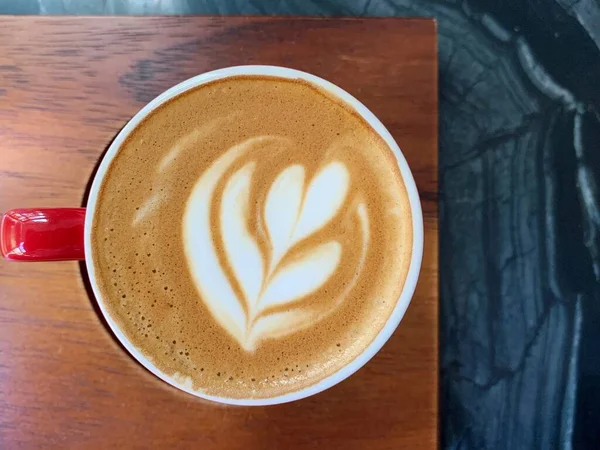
x,y
251,237
294,210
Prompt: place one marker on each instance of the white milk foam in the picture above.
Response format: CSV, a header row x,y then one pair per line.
x,y
295,209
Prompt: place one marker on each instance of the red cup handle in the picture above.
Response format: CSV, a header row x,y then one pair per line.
x,y
43,234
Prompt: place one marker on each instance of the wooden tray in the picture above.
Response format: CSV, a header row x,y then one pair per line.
x,y
67,85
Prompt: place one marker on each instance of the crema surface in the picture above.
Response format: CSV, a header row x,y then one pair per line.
x,y
252,236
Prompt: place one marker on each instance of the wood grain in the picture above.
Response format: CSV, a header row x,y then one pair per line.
x,y
67,85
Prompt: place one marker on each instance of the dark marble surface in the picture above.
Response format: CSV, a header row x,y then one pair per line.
x,y
520,217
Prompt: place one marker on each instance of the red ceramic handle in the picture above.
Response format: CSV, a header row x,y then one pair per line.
x,y
42,234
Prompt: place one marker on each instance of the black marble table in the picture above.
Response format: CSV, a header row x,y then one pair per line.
x,y
520,214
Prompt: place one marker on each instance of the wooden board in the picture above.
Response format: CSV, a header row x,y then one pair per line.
x,y
67,85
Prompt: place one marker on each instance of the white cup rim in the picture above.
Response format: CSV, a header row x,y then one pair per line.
x,y
413,196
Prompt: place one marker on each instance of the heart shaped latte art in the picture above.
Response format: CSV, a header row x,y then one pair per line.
x,y
256,295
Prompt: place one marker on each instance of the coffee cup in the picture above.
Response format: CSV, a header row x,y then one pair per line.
x,y
276,246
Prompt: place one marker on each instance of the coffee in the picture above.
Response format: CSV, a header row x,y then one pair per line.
x,y
252,236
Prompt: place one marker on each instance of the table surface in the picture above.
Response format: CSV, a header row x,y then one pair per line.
x,y
67,85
